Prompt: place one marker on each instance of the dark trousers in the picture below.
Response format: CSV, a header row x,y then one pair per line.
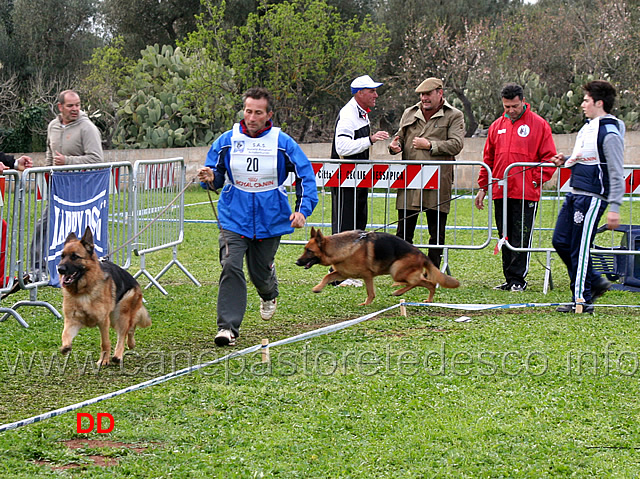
x,y
232,291
521,215
437,224
572,238
348,209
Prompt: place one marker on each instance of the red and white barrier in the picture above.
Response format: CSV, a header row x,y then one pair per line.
x,y
374,176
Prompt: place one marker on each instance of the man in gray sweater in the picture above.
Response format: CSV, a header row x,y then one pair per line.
x,y
72,139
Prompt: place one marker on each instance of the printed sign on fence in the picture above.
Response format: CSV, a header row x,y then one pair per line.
x,y
78,199
374,176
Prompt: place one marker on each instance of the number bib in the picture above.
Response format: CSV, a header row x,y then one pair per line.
x,y
254,161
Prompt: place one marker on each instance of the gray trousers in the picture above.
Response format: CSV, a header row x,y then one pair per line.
x,y
232,291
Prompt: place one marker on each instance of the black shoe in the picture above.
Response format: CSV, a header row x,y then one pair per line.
x,y
602,286
566,308
587,308
504,286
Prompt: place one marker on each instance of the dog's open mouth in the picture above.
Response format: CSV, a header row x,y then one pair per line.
x,y
309,263
68,279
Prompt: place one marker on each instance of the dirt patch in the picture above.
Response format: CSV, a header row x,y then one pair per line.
x,y
97,459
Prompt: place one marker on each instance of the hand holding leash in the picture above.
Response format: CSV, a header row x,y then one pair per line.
x,y
297,220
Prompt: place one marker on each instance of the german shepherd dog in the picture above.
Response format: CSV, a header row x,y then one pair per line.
x,y
98,293
364,254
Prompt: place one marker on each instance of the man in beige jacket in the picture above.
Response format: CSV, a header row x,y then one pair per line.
x,y
433,130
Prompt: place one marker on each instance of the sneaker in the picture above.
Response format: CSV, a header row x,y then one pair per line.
x,y
352,282
225,338
599,288
504,286
268,308
515,288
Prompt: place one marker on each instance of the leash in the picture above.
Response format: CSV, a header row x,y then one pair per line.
x,y
215,213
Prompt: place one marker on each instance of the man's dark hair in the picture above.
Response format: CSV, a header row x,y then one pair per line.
x,y
512,90
258,93
601,90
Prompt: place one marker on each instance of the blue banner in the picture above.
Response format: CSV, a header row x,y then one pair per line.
x,y
78,199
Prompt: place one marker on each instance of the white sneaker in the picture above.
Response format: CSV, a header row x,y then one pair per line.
x,y
352,282
268,308
225,338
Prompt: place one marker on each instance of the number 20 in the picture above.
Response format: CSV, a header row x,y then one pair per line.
x,y
252,164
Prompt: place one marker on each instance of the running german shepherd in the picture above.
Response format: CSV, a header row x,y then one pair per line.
x,y
98,293
364,254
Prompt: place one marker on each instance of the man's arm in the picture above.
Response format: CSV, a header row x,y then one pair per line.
x,y
546,153
346,145
613,147
455,138
306,188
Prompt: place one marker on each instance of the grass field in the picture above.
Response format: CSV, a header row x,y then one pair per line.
x,y
511,393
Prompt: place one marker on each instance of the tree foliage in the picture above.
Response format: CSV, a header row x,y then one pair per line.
x,y
147,22
306,55
51,35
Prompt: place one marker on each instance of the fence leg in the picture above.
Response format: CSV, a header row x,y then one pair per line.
x,y
175,261
10,312
148,275
548,279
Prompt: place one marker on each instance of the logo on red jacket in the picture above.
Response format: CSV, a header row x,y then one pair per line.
x,y
524,131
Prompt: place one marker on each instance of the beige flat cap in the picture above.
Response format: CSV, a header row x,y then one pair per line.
x,y
428,85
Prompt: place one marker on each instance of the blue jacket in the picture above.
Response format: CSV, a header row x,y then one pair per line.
x,y
262,214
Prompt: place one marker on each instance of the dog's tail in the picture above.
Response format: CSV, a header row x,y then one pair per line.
x,y
437,276
143,319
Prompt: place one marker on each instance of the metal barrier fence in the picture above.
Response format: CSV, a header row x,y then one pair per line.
x,y
157,183
10,230
467,228
31,226
549,207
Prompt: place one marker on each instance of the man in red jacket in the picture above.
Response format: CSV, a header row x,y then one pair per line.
x,y
519,135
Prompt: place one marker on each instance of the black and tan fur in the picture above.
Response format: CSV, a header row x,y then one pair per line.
x,y
98,293
362,254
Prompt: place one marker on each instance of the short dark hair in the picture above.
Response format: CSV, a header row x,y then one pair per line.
x,y
257,93
601,90
512,90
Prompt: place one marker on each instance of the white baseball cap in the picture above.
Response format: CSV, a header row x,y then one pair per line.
x,y
364,81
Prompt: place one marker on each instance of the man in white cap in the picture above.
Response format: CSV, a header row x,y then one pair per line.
x,y
433,130
352,141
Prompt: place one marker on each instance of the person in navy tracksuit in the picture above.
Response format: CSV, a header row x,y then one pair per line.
x,y
597,181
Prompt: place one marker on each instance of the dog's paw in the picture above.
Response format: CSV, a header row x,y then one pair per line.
x,y
317,289
115,360
103,363
65,350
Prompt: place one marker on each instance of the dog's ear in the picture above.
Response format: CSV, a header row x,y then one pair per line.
x,y
319,237
70,237
87,240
